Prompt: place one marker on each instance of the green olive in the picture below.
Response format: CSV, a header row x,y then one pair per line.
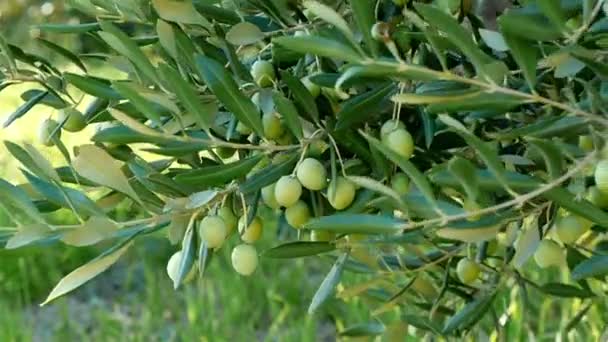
x,y
401,142
45,131
244,259
288,191
312,174
598,198
74,120
225,152
344,193
298,214
229,218
273,127
263,73
213,231
253,232
389,126
601,176
321,235
269,198
467,270
400,183
381,31
549,253
313,88
570,228
585,143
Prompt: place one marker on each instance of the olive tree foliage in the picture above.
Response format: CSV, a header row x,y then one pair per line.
x,y
441,152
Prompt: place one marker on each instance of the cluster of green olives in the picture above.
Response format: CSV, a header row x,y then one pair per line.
x,y
73,121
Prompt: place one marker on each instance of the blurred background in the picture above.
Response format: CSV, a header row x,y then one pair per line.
x,y
135,300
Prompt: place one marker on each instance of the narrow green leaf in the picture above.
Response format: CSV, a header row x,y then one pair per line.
x,y
488,155
363,13
50,99
64,52
525,55
364,329
298,249
360,108
17,202
458,35
552,155
179,12
356,224
469,314
121,134
329,284
65,197
69,28
187,259
127,90
289,113
330,16
460,101
596,265
85,273
409,168
186,95
464,171
565,291
124,45
227,91
93,86
244,33
211,176
301,95
530,27
27,235
318,46
552,9
24,108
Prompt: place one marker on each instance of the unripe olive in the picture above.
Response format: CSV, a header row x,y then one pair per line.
x,y
45,131
585,142
287,191
389,126
312,174
263,73
549,253
344,193
244,259
400,183
273,127
598,198
229,218
213,231
313,88
467,270
242,129
253,232
298,214
75,121
401,142
570,228
381,31
269,198
225,152
321,235
601,176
